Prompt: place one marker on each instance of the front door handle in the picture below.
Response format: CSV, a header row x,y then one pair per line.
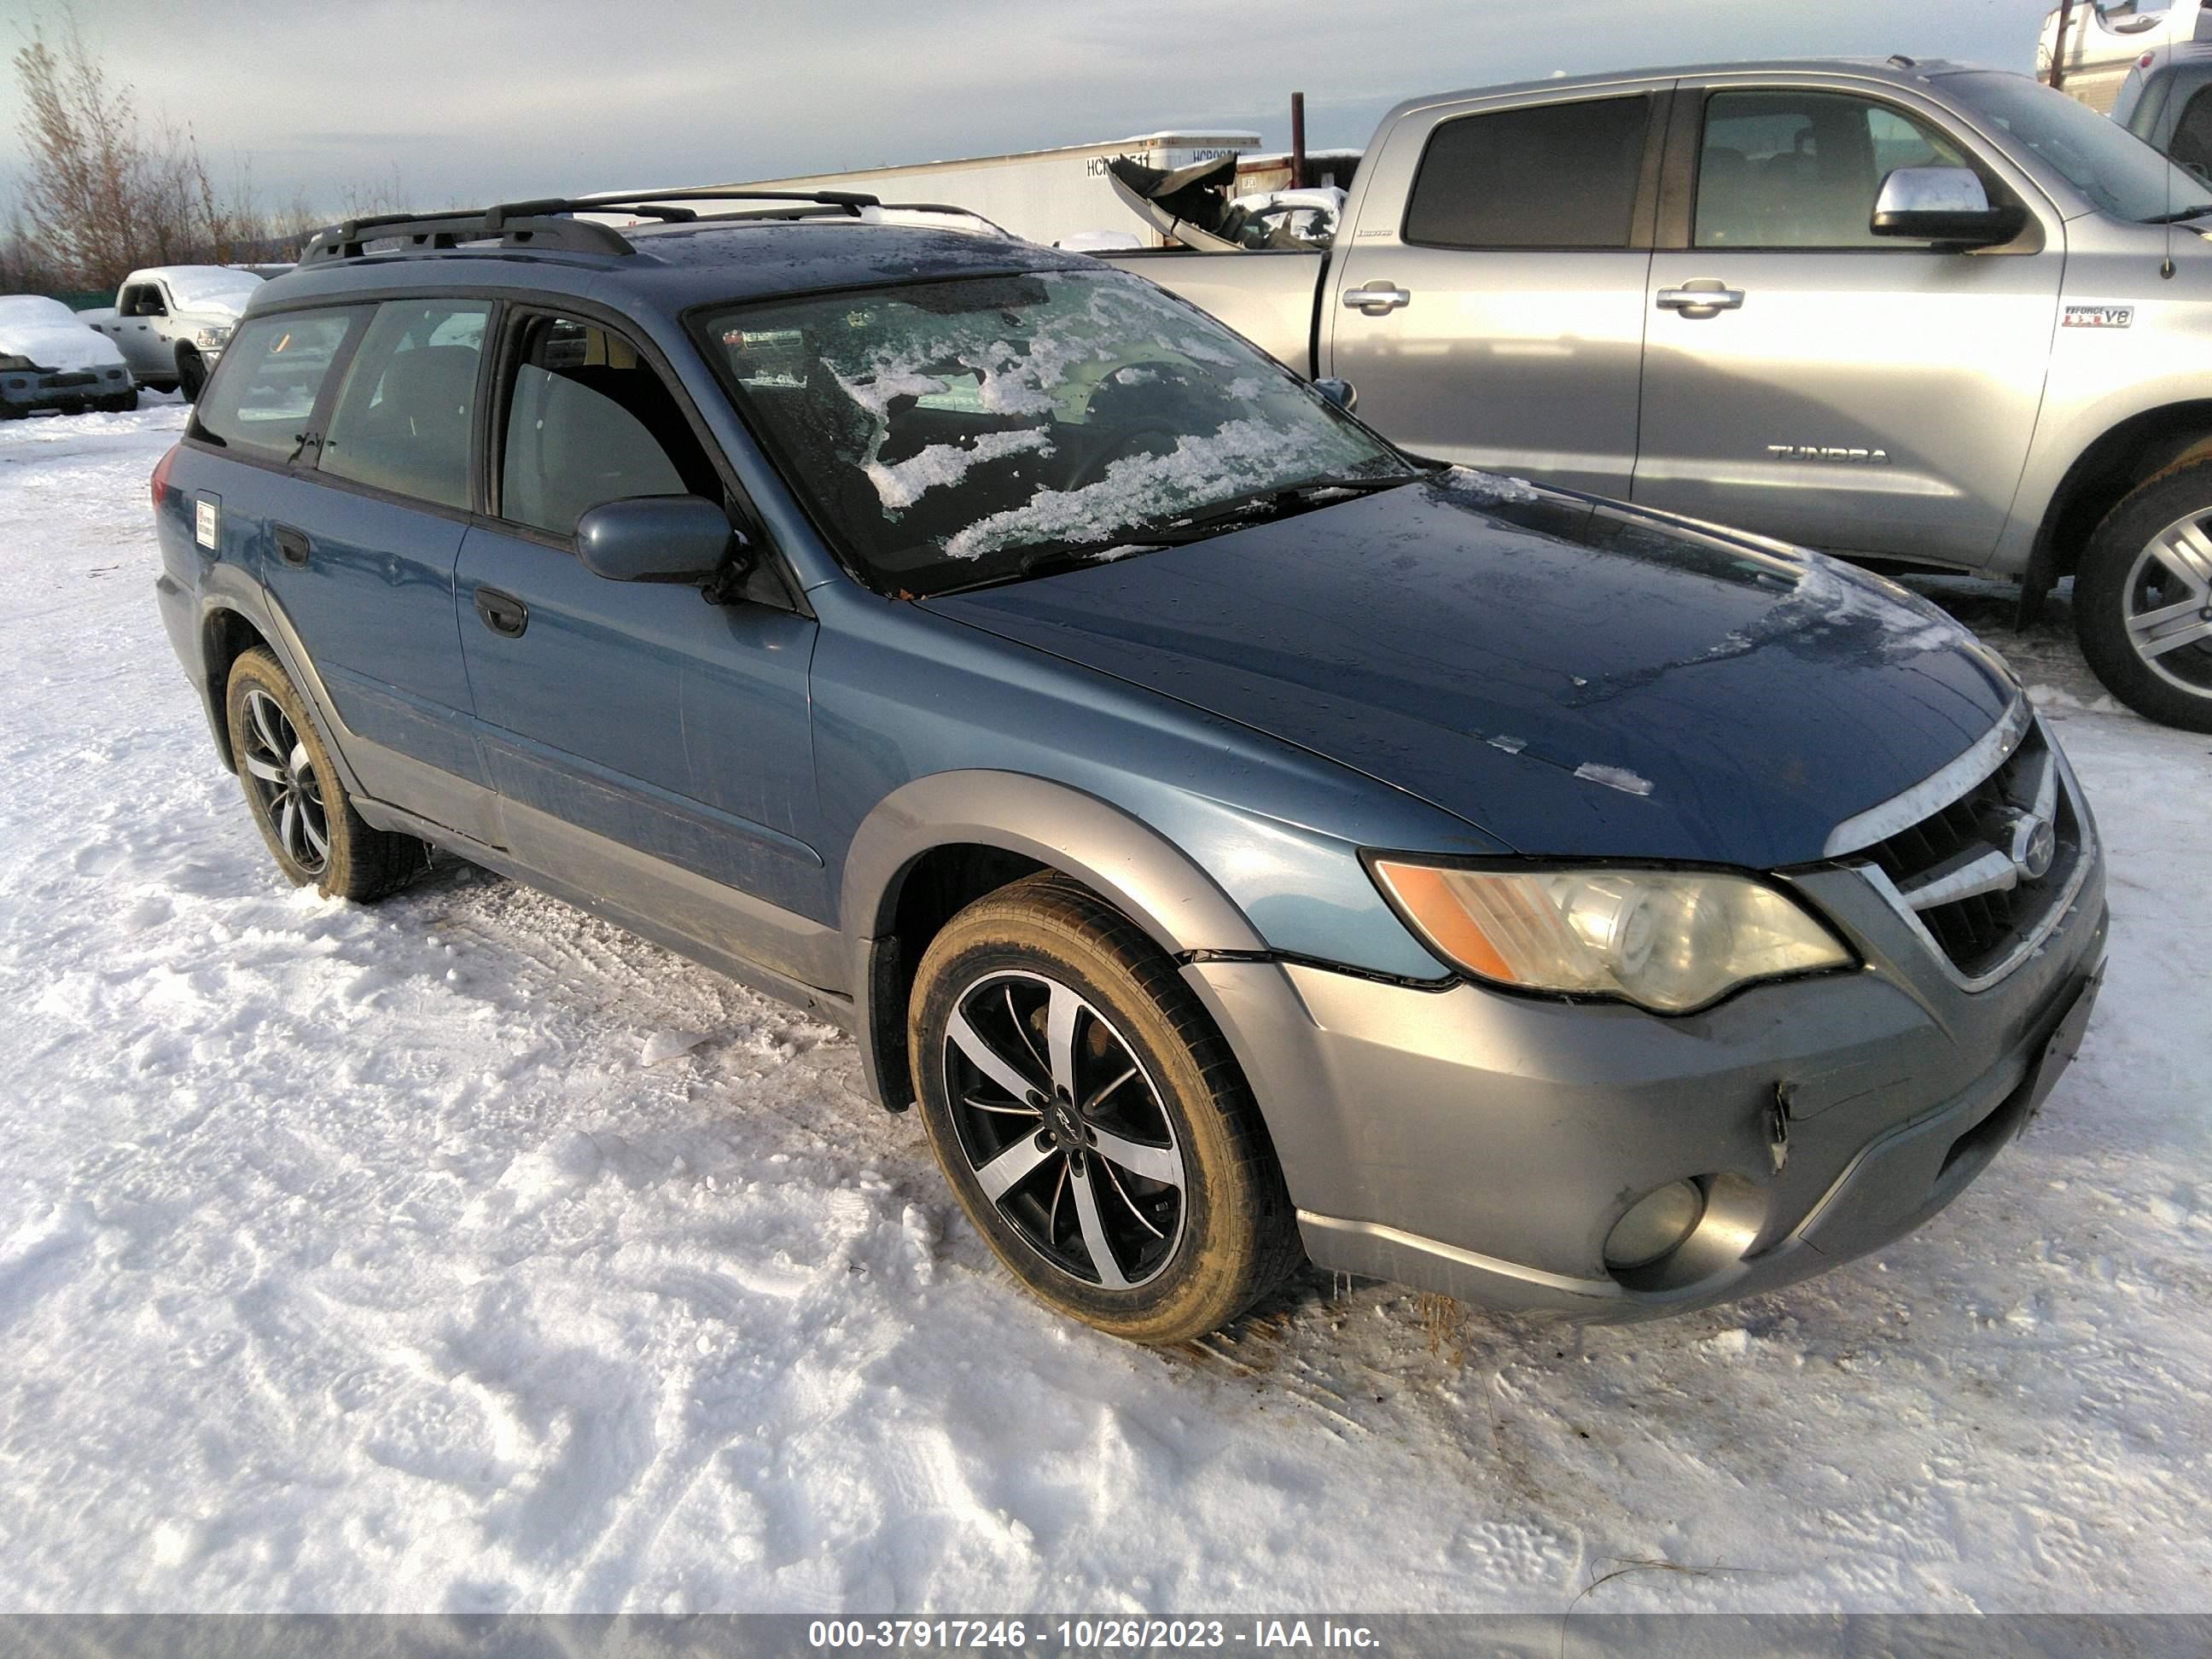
x,y
1377,298
292,545
502,613
1702,298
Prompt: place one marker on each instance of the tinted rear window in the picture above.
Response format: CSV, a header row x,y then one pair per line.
x,y
1557,175
263,396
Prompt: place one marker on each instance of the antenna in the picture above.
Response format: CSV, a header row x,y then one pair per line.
x,y
2165,265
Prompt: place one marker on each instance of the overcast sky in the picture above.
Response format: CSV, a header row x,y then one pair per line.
x,y
479,100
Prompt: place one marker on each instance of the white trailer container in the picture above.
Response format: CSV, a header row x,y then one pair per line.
x,y
1040,194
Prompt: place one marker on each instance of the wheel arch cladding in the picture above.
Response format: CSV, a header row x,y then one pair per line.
x,y
226,634
939,843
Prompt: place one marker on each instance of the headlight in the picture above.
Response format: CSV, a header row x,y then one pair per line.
x,y
213,339
1667,940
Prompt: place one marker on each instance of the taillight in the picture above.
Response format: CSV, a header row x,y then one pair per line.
x,y
161,475
2143,61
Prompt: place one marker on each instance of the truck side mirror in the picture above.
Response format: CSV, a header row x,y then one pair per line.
x,y
1342,393
1942,204
655,538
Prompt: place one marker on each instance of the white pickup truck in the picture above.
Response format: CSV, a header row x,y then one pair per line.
x,y
1903,312
172,322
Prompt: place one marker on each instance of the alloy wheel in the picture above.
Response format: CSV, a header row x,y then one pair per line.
x,y
282,773
1064,1130
2168,604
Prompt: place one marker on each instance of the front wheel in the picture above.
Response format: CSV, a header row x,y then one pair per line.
x,y
2142,599
191,375
294,794
1090,1120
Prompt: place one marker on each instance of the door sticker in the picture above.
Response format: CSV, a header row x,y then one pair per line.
x,y
207,523
2099,317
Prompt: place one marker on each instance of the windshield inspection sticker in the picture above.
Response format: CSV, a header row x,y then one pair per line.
x,y
207,523
2099,316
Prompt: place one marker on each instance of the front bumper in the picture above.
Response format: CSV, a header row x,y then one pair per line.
x,y
1482,1144
25,392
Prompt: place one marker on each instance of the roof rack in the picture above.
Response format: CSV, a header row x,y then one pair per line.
x,y
549,222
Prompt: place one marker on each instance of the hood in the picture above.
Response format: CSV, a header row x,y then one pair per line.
x,y
59,345
1576,677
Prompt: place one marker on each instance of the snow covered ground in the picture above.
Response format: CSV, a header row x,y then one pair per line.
x,y
465,1254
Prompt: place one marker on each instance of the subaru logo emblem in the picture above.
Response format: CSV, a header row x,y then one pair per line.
x,y
2034,844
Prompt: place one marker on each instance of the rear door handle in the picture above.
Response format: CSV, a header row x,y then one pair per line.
x,y
292,545
1702,298
1377,298
502,613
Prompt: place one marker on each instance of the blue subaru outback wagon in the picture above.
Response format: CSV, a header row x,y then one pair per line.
x,y
1246,842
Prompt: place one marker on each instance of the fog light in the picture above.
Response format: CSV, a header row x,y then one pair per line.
x,y
1655,1224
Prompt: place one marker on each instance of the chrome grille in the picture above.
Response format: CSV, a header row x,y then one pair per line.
x,y
1984,875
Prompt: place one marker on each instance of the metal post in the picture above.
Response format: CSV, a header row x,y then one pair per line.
x,y
1298,141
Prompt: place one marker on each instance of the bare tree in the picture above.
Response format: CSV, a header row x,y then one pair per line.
x,y
86,181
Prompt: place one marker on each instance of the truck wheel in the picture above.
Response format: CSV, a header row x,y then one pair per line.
x,y
191,375
2142,599
296,798
1090,1118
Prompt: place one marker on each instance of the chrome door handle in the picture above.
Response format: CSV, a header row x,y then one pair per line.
x,y
1377,298
1700,299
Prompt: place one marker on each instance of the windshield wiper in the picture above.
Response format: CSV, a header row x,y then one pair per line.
x,y
2178,214
1181,529
1274,502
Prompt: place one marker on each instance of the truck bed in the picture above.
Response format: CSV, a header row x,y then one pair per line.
x,y
1269,296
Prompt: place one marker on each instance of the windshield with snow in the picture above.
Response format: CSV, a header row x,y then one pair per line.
x,y
955,433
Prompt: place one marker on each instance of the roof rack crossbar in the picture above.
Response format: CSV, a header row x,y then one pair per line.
x,y
551,221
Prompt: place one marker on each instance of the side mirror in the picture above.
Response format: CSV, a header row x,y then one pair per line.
x,y
655,538
1342,393
1942,205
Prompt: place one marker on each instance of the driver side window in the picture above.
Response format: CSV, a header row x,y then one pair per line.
x,y
1802,169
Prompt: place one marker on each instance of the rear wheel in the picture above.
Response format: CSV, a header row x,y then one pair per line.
x,y
1090,1120
294,794
2142,599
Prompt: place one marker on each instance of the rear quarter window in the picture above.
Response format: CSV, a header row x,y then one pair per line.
x,y
261,401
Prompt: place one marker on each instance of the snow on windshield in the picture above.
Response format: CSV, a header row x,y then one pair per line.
x,y
1197,471
1006,412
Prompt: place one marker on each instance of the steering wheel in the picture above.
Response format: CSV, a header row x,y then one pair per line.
x,y
1151,438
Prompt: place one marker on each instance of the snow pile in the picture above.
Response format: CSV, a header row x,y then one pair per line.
x,y
1485,489
369,1259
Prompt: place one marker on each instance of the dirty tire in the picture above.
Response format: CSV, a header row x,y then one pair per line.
x,y
270,728
1234,1235
2115,584
192,375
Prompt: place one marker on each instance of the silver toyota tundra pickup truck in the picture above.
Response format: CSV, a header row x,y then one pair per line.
x,y
1910,312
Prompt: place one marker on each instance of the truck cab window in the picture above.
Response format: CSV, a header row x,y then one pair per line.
x,y
1802,169
589,421
2193,135
1552,176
